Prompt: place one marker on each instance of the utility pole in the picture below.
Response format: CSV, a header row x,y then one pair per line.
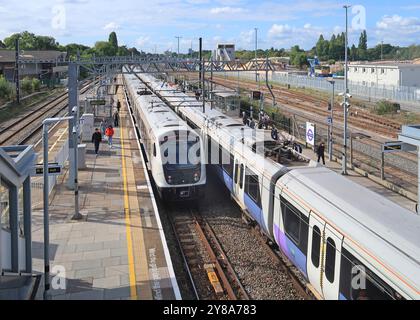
x,y
17,70
256,48
203,86
382,50
346,96
178,43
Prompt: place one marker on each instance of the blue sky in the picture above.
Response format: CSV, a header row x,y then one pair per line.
x,y
151,25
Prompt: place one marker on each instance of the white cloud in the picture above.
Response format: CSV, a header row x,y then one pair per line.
x,y
226,10
398,29
143,41
112,26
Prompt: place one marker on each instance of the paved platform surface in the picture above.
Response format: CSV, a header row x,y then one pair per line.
x,y
119,250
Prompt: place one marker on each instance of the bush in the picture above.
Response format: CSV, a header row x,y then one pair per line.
x,y
36,85
26,85
5,88
387,107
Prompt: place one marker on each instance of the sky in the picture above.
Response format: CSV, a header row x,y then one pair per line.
x,y
153,25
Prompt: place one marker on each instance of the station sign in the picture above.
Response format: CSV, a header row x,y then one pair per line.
x,y
397,146
54,169
310,133
329,120
97,102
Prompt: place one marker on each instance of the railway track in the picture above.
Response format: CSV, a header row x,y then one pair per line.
x,y
210,272
369,123
23,130
358,118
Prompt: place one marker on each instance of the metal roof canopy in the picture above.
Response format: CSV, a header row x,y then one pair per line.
x,y
411,135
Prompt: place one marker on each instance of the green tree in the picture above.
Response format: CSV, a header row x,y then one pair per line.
x,y
353,53
322,48
362,48
2,45
30,41
113,40
104,48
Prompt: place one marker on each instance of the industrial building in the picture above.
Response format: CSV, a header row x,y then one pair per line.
x,y
225,52
47,63
386,74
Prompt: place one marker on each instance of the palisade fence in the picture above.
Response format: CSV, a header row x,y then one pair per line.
x,y
398,94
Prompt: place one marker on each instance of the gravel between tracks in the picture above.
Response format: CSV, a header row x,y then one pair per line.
x,y
259,273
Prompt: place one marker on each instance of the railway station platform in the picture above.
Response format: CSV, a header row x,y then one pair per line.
x,y
118,250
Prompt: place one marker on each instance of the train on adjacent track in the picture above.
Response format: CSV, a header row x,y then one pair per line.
x,y
173,149
347,241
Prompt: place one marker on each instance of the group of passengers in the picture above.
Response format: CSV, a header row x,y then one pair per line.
x,y
106,130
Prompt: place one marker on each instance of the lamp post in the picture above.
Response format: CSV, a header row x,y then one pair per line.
x,y
345,98
330,124
256,48
46,123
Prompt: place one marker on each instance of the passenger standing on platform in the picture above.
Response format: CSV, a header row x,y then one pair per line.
x,y
96,139
118,106
109,133
320,152
116,119
252,124
244,119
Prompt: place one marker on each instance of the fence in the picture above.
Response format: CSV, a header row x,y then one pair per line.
x,y
398,94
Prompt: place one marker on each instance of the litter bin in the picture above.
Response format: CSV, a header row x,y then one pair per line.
x,y
81,154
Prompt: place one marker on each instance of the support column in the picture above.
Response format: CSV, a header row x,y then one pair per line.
x,y
27,218
73,101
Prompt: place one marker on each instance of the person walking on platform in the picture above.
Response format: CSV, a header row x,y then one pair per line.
x,y
110,133
321,152
118,106
116,119
96,139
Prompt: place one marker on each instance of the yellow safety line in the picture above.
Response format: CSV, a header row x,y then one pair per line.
x,y
132,273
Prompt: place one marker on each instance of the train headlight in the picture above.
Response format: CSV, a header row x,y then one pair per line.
x,y
169,179
196,177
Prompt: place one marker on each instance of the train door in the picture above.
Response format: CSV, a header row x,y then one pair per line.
x,y
323,263
332,259
238,179
314,264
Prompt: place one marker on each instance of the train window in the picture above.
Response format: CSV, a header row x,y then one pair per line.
x,y
316,246
236,172
330,260
241,177
252,186
228,167
291,219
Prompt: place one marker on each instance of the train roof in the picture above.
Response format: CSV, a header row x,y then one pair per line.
x,y
385,229
160,117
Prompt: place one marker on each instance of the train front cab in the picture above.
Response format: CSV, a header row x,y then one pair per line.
x,y
320,253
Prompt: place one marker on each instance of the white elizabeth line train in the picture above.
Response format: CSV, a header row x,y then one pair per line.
x,y
173,149
348,241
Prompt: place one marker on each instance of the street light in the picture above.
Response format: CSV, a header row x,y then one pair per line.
x,y
45,124
345,97
256,48
330,123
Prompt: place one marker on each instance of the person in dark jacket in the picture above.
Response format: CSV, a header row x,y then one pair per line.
x,y
320,152
116,119
96,139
